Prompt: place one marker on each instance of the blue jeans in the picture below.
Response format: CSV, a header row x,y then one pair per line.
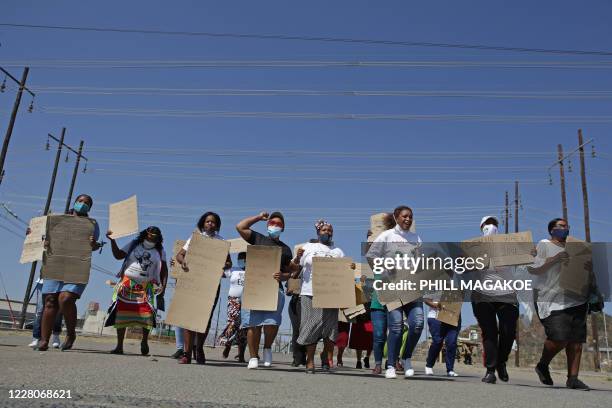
x,y
393,320
178,337
416,321
442,332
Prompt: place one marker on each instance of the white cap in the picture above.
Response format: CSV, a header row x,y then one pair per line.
x,y
485,218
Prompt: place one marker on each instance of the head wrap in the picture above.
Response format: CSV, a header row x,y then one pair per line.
x,y
320,224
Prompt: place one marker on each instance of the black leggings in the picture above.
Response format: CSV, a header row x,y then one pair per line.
x,y
497,338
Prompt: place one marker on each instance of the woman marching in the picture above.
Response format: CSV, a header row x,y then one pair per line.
x,y
233,334
254,320
208,225
60,296
562,312
143,275
317,323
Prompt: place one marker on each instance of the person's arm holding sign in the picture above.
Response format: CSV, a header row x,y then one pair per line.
x,y
117,252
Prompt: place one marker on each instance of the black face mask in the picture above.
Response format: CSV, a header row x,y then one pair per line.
x,y
325,239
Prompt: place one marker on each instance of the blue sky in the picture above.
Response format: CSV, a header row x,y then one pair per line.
x,y
451,172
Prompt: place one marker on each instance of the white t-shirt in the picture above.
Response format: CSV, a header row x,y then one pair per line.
x,y
236,279
143,265
395,241
551,296
311,250
204,234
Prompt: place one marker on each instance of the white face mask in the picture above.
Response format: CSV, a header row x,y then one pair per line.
x,y
148,244
489,229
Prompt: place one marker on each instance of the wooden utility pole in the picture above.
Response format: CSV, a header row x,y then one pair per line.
x,y
26,297
506,214
562,181
517,362
74,175
587,237
9,130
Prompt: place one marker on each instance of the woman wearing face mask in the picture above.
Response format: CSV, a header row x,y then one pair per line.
x,y
317,323
208,225
60,296
562,312
497,313
397,240
143,274
233,334
254,320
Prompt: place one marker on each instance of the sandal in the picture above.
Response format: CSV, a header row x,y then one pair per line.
x,y
185,359
68,343
42,347
116,351
200,358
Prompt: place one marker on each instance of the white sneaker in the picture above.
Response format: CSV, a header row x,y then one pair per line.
x,y
56,341
390,373
34,343
408,370
253,363
429,371
267,355
452,374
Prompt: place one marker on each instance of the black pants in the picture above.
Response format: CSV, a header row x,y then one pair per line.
x,y
497,337
295,313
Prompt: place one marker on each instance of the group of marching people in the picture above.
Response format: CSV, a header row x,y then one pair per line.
x,y
143,277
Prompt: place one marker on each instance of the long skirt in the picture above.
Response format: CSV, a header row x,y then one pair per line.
x,y
316,323
232,334
134,305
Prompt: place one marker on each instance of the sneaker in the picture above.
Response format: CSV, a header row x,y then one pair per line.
x,y
408,370
452,374
575,384
253,363
177,354
502,373
377,370
358,365
267,354
429,371
366,362
34,343
390,373
544,373
55,342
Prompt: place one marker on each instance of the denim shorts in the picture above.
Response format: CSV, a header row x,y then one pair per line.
x,y
56,286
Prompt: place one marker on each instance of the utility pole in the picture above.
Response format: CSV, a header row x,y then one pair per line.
x,y
74,174
506,214
26,297
587,237
9,130
562,179
517,362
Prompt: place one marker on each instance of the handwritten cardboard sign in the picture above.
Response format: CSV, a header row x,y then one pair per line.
x,y
68,257
123,218
333,283
176,270
196,288
34,244
260,288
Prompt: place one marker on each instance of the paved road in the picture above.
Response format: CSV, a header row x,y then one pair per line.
x,y
97,379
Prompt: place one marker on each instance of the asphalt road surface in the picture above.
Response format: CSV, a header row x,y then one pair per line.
x,y
97,379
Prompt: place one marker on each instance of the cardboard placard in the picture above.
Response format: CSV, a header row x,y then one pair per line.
x,y
68,257
260,288
574,275
123,218
176,270
195,291
34,244
333,283
450,307
238,245
294,286
502,249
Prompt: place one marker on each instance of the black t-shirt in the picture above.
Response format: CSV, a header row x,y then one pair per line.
x,y
259,239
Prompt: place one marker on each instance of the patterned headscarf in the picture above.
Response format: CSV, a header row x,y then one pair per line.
x,y
320,224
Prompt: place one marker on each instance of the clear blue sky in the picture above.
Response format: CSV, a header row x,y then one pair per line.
x,y
404,155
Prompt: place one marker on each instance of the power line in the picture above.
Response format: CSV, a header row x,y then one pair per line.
x,y
481,47
141,112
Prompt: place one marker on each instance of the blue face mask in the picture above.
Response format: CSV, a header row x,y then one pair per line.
x,y
274,231
81,208
325,239
560,233
241,263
